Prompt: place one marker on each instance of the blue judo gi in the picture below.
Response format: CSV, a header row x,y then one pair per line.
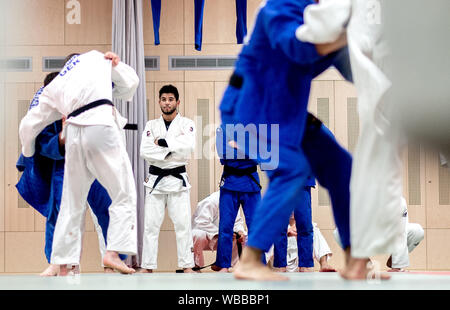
x,y
277,70
305,231
42,180
199,5
241,21
239,187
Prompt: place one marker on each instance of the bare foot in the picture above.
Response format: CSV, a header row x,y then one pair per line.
x,y
63,270
281,269
188,270
327,268
357,269
108,270
396,270
51,271
223,270
305,269
251,268
143,270
324,266
215,268
112,260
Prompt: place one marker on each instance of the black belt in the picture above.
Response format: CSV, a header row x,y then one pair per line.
x,y
96,104
236,81
228,170
161,173
89,106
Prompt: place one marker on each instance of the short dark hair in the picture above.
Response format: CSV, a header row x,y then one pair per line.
x,y
169,89
50,78
70,56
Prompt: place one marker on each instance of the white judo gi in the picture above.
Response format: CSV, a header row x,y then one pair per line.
x,y
320,249
205,228
413,234
376,181
170,192
95,149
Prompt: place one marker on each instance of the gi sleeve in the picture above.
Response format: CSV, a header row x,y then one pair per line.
x,y
125,81
149,150
35,121
280,29
325,21
183,144
48,141
239,223
205,215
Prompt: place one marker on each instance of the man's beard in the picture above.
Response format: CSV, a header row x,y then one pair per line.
x,y
169,112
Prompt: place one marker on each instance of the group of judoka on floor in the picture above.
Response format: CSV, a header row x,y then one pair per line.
x,y
73,152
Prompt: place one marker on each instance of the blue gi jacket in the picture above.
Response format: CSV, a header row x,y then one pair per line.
x,y
229,157
41,182
277,70
44,172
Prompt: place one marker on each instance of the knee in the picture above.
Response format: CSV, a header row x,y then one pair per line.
x,y
415,233
198,236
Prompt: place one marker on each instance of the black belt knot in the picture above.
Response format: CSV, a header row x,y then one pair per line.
x,y
228,170
161,173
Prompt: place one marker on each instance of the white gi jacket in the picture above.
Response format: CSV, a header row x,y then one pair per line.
x,y
84,79
376,182
206,216
180,139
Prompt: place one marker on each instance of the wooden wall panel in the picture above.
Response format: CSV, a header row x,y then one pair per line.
x,y
204,148
17,217
164,74
211,50
150,102
343,91
320,91
2,156
331,74
37,53
219,89
438,249
95,26
437,215
24,252
171,30
2,252
36,22
219,22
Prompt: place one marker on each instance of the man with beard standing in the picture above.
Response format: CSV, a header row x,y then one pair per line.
x,y
167,144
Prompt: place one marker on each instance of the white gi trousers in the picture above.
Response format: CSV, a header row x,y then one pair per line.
x,y
414,234
95,152
376,181
179,208
203,243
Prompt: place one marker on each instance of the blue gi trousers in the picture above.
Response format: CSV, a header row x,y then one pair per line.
x,y
229,204
305,234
